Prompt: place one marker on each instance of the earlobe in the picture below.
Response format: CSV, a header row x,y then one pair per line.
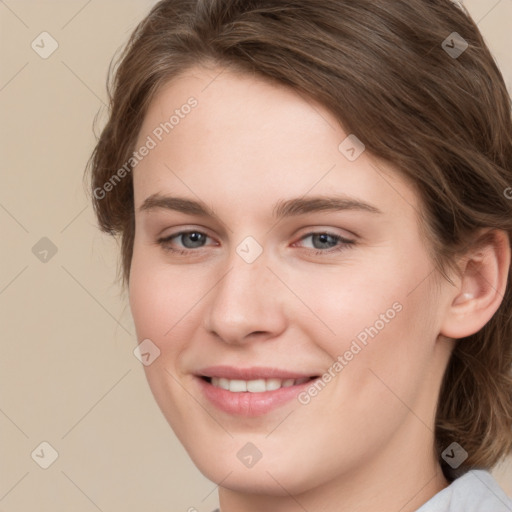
x,y
481,285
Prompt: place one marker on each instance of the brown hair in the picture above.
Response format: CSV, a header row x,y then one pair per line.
x,y
443,120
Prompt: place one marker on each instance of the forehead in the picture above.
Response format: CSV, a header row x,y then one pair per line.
x,y
241,138
259,113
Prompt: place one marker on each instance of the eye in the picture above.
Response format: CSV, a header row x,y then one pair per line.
x,y
190,240
326,242
322,242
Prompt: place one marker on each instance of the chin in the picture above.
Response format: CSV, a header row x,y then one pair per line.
x,y
275,477
252,481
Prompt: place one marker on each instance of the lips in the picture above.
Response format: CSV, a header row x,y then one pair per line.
x,y
251,391
253,373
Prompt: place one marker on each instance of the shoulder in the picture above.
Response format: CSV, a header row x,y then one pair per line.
x,y
475,491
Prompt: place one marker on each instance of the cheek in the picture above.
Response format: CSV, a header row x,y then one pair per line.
x,y
161,302
379,319
149,305
160,296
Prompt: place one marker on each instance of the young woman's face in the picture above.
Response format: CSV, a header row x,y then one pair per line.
x,y
266,254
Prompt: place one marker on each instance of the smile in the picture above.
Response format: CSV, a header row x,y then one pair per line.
x,y
255,386
250,392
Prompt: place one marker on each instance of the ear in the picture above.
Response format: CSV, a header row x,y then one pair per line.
x,y
481,285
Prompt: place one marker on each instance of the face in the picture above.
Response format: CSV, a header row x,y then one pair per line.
x,y
272,261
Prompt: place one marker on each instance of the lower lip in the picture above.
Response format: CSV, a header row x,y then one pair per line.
x,y
247,403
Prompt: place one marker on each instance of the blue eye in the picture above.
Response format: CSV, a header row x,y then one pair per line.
x,y
189,239
192,239
323,242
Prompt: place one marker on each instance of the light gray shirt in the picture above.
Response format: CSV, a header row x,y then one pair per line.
x,y
475,491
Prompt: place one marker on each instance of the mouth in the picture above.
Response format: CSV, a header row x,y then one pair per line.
x,y
251,392
255,385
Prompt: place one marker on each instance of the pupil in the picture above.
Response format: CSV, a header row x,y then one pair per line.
x,y
195,237
324,239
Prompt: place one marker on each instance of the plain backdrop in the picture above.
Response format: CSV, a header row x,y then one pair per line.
x,y
68,376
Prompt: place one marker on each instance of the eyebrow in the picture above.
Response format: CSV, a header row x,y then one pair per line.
x,y
284,208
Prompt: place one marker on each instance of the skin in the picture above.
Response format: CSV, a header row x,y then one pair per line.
x,y
365,442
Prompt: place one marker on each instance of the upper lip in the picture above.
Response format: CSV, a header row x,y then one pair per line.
x,y
252,373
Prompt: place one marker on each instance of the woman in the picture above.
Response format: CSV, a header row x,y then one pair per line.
x,y
313,201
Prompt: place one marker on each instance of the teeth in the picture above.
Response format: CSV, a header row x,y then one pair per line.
x,y
223,383
237,386
273,384
255,386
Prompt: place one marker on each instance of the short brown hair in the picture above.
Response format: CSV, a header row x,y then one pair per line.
x,y
442,119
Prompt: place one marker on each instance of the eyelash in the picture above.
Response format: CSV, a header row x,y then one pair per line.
x,y
345,243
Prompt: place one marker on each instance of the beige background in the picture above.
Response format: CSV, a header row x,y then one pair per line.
x,y
67,372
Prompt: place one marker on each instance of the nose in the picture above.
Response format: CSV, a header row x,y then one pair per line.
x,y
247,303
